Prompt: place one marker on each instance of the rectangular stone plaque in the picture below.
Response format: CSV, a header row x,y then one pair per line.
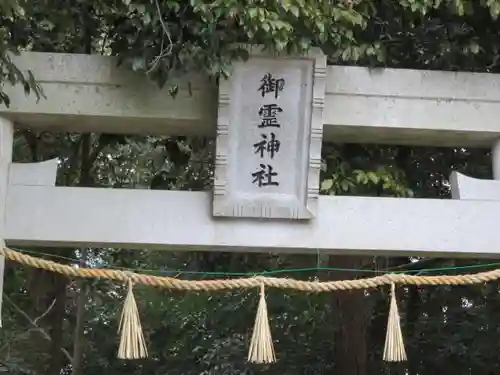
x,y
269,133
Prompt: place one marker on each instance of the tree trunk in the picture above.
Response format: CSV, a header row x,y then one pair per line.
x,y
413,312
85,181
56,319
80,313
350,341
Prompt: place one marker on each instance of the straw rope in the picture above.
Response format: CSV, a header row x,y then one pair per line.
x,y
253,282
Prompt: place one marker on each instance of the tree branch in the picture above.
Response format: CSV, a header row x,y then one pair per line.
x,y
35,325
80,312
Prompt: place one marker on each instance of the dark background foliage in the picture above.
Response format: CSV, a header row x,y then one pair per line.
x,y
50,328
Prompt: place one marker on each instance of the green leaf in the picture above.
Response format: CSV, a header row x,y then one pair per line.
x,y
345,185
373,177
253,12
294,10
327,184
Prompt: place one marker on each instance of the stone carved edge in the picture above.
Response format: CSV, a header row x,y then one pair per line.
x,y
220,199
221,202
316,131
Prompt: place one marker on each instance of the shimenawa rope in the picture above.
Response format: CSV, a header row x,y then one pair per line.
x,y
253,282
133,343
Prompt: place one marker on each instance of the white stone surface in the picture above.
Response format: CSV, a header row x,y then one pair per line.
x,y
37,174
6,142
174,220
381,105
403,106
495,156
465,187
269,131
89,93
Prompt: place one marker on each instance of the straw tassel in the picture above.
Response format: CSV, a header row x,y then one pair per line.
x,y
132,343
394,350
261,347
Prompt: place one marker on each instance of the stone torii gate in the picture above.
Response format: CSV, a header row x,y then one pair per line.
x,y
312,102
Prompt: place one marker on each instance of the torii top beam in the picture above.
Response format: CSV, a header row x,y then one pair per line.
x,y
381,105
